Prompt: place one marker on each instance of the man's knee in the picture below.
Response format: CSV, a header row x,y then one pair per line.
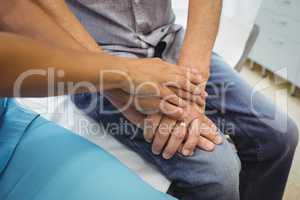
x,y
216,172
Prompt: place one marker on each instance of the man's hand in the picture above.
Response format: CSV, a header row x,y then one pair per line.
x,y
169,136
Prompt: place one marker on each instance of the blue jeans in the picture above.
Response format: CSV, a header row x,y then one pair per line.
x,y
264,137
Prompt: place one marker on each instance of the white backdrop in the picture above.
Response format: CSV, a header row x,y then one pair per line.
x,y
237,20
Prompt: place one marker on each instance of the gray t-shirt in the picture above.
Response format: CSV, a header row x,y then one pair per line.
x,y
131,26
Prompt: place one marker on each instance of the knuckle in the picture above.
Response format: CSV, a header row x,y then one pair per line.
x,y
148,133
210,132
195,134
194,138
157,60
169,152
179,135
189,146
213,134
201,142
163,134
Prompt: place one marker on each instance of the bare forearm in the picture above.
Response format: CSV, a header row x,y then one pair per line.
x,y
59,12
27,18
203,23
21,55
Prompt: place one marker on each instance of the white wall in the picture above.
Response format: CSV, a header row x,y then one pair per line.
x,y
238,17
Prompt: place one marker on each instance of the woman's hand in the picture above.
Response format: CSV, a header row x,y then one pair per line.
x,y
145,106
155,78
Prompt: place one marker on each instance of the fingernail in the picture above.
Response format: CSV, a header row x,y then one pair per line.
x,y
219,139
209,146
183,124
155,151
166,156
186,152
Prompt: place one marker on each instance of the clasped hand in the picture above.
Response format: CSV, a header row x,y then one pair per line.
x,y
175,120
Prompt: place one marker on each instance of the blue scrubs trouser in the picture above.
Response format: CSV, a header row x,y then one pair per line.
x,y
49,162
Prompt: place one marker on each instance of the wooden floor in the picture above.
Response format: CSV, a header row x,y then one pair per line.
x,y
278,92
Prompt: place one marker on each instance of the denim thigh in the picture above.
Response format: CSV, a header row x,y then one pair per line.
x,y
259,129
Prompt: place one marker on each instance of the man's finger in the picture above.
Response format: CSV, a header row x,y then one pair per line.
x,y
205,144
172,111
170,96
199,99
210,132
175,140
151,125
151,106
146,105
162,134
192,139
